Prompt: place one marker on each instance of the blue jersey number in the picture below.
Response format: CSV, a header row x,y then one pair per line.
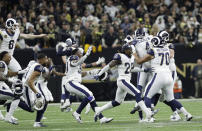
x,y
127,68
166,55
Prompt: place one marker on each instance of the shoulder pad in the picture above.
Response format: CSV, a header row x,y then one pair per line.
x,y
117,57
73,57
38,68
171,46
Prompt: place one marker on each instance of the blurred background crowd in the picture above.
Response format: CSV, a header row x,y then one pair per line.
x,y
103,23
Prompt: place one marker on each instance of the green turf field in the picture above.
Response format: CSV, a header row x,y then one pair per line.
x,y
123,121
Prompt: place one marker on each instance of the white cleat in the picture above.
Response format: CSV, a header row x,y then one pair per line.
x,y
97,113
175,117
10,120
77,117
1,116
188,117
105,120
15,119
65,105
39,124
87,108
68,109
44,118
148,120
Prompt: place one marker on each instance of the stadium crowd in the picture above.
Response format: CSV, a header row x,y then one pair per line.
x,y
103,22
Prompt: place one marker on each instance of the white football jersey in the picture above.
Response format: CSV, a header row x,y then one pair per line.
x,y
125,66
141,49
34,67
73,72
5,72
172,60
8,41
161,60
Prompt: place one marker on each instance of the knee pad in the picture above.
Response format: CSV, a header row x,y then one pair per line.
x,y
115,103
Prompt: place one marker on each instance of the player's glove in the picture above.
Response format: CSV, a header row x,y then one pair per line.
x,y
96,77
100,60
89,51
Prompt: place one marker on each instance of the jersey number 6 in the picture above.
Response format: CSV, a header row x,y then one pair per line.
x,y
11,44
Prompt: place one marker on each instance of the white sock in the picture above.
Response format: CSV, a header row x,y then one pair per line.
x,y
13,107
136,104
106,106
184,111
143,107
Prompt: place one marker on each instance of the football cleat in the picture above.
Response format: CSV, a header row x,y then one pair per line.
x,y
12,117
155,112
10,120
175,117
77,117
135,109
105,120
97,113
39,124
188,117
65,105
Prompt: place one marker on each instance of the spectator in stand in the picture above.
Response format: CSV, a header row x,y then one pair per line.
x,y
126,25
197,76
177,88
110,9
110,38
64,33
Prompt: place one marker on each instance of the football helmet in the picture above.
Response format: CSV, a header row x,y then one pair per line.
x,y
140,33
11,23
128,39
156,41
163,35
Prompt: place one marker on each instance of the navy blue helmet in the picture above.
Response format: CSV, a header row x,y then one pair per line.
x,y
140,33
126,47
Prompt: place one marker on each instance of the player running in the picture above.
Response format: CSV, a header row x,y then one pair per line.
x,y
125,65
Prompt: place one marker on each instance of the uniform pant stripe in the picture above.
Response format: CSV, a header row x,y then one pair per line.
x,y
150,84
173,74
138,76
80,89
6,93
129,86
27,95
39,85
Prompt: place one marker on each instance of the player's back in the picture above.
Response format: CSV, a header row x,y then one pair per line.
x,y
8,41
124,68
34,67
73,72
161,60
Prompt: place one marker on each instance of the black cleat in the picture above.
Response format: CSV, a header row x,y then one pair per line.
x,y
135,109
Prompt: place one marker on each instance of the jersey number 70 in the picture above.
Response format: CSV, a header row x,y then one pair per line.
x,y
166,55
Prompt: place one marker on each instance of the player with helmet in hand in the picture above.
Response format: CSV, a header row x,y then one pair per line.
x,y
7,93
124,62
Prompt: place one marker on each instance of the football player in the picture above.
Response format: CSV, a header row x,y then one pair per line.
x,y
5,92
159,56
8,39
73,83
125,64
